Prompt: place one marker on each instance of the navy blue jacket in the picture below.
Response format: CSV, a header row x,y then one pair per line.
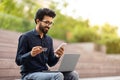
x,y
38,63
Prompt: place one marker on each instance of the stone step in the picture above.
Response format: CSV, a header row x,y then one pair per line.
x,y
102,78
8,68
91,64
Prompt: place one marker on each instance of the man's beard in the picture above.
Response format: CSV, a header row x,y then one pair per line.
x,y
43,29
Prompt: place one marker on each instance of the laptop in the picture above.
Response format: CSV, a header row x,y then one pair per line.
x,y
68,63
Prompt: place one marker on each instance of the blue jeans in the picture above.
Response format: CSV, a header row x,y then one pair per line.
x,y
71,75
52,76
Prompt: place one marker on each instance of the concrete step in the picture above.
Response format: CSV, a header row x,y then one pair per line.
x,y
103,78
8,68
91,64
97,78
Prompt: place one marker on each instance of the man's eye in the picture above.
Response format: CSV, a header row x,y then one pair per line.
x,y
47,22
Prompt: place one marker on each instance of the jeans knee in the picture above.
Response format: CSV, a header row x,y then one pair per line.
x,y
59,76
71,76
75,75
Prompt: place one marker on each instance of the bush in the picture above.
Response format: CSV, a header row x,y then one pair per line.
x,y
113,46
83,34
14,23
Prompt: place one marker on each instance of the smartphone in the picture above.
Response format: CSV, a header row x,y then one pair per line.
x,y
61,45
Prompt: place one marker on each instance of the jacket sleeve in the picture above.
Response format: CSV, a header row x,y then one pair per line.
x,y
23,55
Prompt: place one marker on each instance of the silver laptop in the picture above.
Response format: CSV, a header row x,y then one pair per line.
x,y
68,63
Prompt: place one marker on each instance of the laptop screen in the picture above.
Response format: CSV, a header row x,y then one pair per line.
x,y
69,62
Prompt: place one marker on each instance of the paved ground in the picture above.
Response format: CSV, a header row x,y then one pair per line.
x,y
99,78
102,78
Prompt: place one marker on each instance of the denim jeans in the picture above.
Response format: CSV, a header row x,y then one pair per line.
x,y
71,75
52,76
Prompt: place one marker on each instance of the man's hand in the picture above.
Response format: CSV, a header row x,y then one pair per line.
x,y
36,50
59,52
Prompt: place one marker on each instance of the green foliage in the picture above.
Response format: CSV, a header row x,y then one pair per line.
x,y
107,33
113,46
14,23
19,8
84,34
18,15
62,25
10,7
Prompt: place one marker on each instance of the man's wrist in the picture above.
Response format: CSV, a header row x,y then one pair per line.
x,y
57,55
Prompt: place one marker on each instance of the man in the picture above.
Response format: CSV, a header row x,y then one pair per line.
x,y
35,51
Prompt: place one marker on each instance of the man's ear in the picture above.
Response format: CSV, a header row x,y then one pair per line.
x,y
37,20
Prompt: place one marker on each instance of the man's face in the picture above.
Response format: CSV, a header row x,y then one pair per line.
x,y
45,24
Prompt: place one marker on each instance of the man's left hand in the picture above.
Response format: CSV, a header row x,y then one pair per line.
x,y
59,52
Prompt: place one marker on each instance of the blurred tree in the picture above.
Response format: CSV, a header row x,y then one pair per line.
x,y
65,27
108,32
20,8
29,8
83,34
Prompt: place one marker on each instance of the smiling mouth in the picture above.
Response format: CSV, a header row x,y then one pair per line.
x,y
46,28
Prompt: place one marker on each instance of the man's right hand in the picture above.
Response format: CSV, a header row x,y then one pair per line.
x,y
36,50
